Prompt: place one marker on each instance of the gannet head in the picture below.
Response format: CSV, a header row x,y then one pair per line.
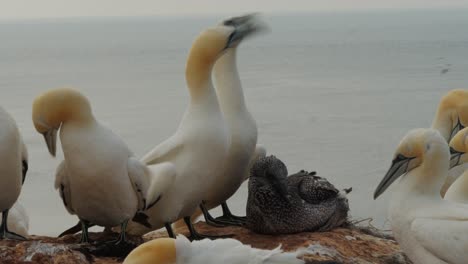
x,y
56,106
209,46
412,151
251,24
458,148
271,171
452,112
160,251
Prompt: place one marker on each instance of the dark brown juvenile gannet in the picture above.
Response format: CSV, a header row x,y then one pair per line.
x,y
278,204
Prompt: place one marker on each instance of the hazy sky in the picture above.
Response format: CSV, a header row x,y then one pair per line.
x,y
72,8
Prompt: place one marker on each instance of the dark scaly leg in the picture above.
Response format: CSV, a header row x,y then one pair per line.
x,y
123,234
215,222
194,235
84,231
4,233
228,216
169,230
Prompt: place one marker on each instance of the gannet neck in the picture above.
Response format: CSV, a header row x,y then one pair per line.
x,y
443,123
428,178
227,82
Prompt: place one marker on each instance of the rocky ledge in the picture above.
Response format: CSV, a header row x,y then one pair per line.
x,y
347,245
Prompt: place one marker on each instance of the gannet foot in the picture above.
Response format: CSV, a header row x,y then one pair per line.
x,y
228,217
122,240
194,235
12,236
73,230
212,221
4,233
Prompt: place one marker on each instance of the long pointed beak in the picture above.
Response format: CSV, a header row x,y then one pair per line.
x,y
455,157
51,140
399,167
457,128
245,26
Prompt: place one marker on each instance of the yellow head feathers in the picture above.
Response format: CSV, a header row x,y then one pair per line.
x,y
412,152
458,148
206,49
159,251
452,113
55,107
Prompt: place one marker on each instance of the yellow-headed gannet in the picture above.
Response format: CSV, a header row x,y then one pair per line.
x,y
99,180
451,117
428,228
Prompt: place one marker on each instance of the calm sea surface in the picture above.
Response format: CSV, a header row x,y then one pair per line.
x,y
330,92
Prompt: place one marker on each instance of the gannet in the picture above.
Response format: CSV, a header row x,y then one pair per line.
x,y
428,228
278,204
200,144
99,179
451,117
227,251
13,168
241,127
458,191
18,220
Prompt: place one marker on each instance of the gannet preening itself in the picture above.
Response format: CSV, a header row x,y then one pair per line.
x,y
278,204
99,180
451,117
428,228
200,144
18,220
458,191
227,251
13,168
241,126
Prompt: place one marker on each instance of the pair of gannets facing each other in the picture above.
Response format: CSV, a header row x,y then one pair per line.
x,y
242,127
99,180
200,145
13,169
226,251
278,204
458,191
428,228
451,117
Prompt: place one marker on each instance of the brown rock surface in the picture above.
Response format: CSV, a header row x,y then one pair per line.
x,y
346,245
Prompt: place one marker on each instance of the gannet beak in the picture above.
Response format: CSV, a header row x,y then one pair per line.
x,y
398,168
50,137
457,128
455,157
244,26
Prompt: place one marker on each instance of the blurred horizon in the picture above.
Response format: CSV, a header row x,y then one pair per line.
x,y
56,9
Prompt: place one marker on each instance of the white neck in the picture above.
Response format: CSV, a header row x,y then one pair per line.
x,y
228,83
443,123
427,179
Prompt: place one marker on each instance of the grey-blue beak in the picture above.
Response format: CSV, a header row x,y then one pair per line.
x,y
399,167
50,138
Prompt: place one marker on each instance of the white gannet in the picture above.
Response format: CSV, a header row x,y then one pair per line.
x,y
428,228
99,180
227,251
13,168
241,127
458,191
200,144
18,220
451,117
